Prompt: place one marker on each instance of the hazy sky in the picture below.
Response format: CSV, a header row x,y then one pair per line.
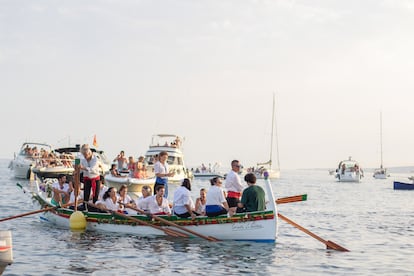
x,y
206,70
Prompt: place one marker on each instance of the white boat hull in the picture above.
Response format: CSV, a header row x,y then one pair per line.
x,y
258,230
134,184
349,177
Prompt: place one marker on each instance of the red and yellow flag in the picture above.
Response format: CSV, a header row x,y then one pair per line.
x,y
95,143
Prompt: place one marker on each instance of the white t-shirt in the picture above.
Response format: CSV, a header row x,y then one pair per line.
x,y
215,196
111,205
161,168
182,196
233,182
65,187
102,191
153,206
126,200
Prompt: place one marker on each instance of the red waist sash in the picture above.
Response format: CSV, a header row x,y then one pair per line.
x,y
93,183
233,194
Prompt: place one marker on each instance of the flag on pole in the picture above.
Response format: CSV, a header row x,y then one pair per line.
x,y
95,143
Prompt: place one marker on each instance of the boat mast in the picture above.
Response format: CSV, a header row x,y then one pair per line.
x,y
271,137
381,135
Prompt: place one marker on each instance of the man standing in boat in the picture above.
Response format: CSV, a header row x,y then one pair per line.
x,y
233,185
162,173
89,165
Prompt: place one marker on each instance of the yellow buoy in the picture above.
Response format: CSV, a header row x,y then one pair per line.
x,y
77,221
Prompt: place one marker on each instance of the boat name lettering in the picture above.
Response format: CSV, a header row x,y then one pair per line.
x,y
253,225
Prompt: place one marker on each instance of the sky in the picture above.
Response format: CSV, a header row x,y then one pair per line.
x,y
207,71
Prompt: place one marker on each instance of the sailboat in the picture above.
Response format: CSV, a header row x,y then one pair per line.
x,y
381,172
266,170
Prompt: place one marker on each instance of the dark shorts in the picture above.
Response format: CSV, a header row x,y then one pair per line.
x,y
218,213
232,201
186,215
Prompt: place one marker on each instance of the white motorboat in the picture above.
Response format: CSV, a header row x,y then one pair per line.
x,y
266,169
170,143
380,173
27,158
62,162
349,171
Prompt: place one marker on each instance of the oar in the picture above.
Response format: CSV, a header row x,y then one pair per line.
x,y
290,199
209,238
35,212
169,232
329,244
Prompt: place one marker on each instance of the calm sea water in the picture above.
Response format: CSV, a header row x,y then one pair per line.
x,y
369,218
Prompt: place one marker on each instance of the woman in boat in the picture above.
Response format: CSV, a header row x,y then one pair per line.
x,y
216,203
183,203
139,168
126,201
158,204
162,173
200,205
140,202
111,199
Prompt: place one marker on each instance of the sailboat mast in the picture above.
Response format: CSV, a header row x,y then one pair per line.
x,y
271,137
381,136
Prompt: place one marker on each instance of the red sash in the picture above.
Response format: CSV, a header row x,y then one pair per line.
x,y
233,194
93,183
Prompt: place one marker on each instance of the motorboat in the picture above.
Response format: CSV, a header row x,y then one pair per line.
x,y
381,172
170,143
61,162
28,157
204,172
266,170
349,171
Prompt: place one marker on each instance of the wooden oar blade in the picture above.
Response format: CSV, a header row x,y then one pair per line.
x,y
290,199
335,246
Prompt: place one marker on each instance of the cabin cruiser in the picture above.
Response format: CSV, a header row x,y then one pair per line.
x,y
349,171
28,156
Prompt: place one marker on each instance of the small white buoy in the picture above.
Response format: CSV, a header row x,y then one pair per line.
x,y
77,221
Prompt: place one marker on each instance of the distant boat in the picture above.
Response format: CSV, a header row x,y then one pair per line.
x,y
266,170
349,171
403,186
381,172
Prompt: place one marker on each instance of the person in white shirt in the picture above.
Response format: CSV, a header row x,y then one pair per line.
x,y
126,201
162,173
111,199
183,203
216,204
158,204
89,165
140,202
234,185
61,191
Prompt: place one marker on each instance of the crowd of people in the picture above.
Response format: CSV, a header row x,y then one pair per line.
x,y
124,167
45,158
230,198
